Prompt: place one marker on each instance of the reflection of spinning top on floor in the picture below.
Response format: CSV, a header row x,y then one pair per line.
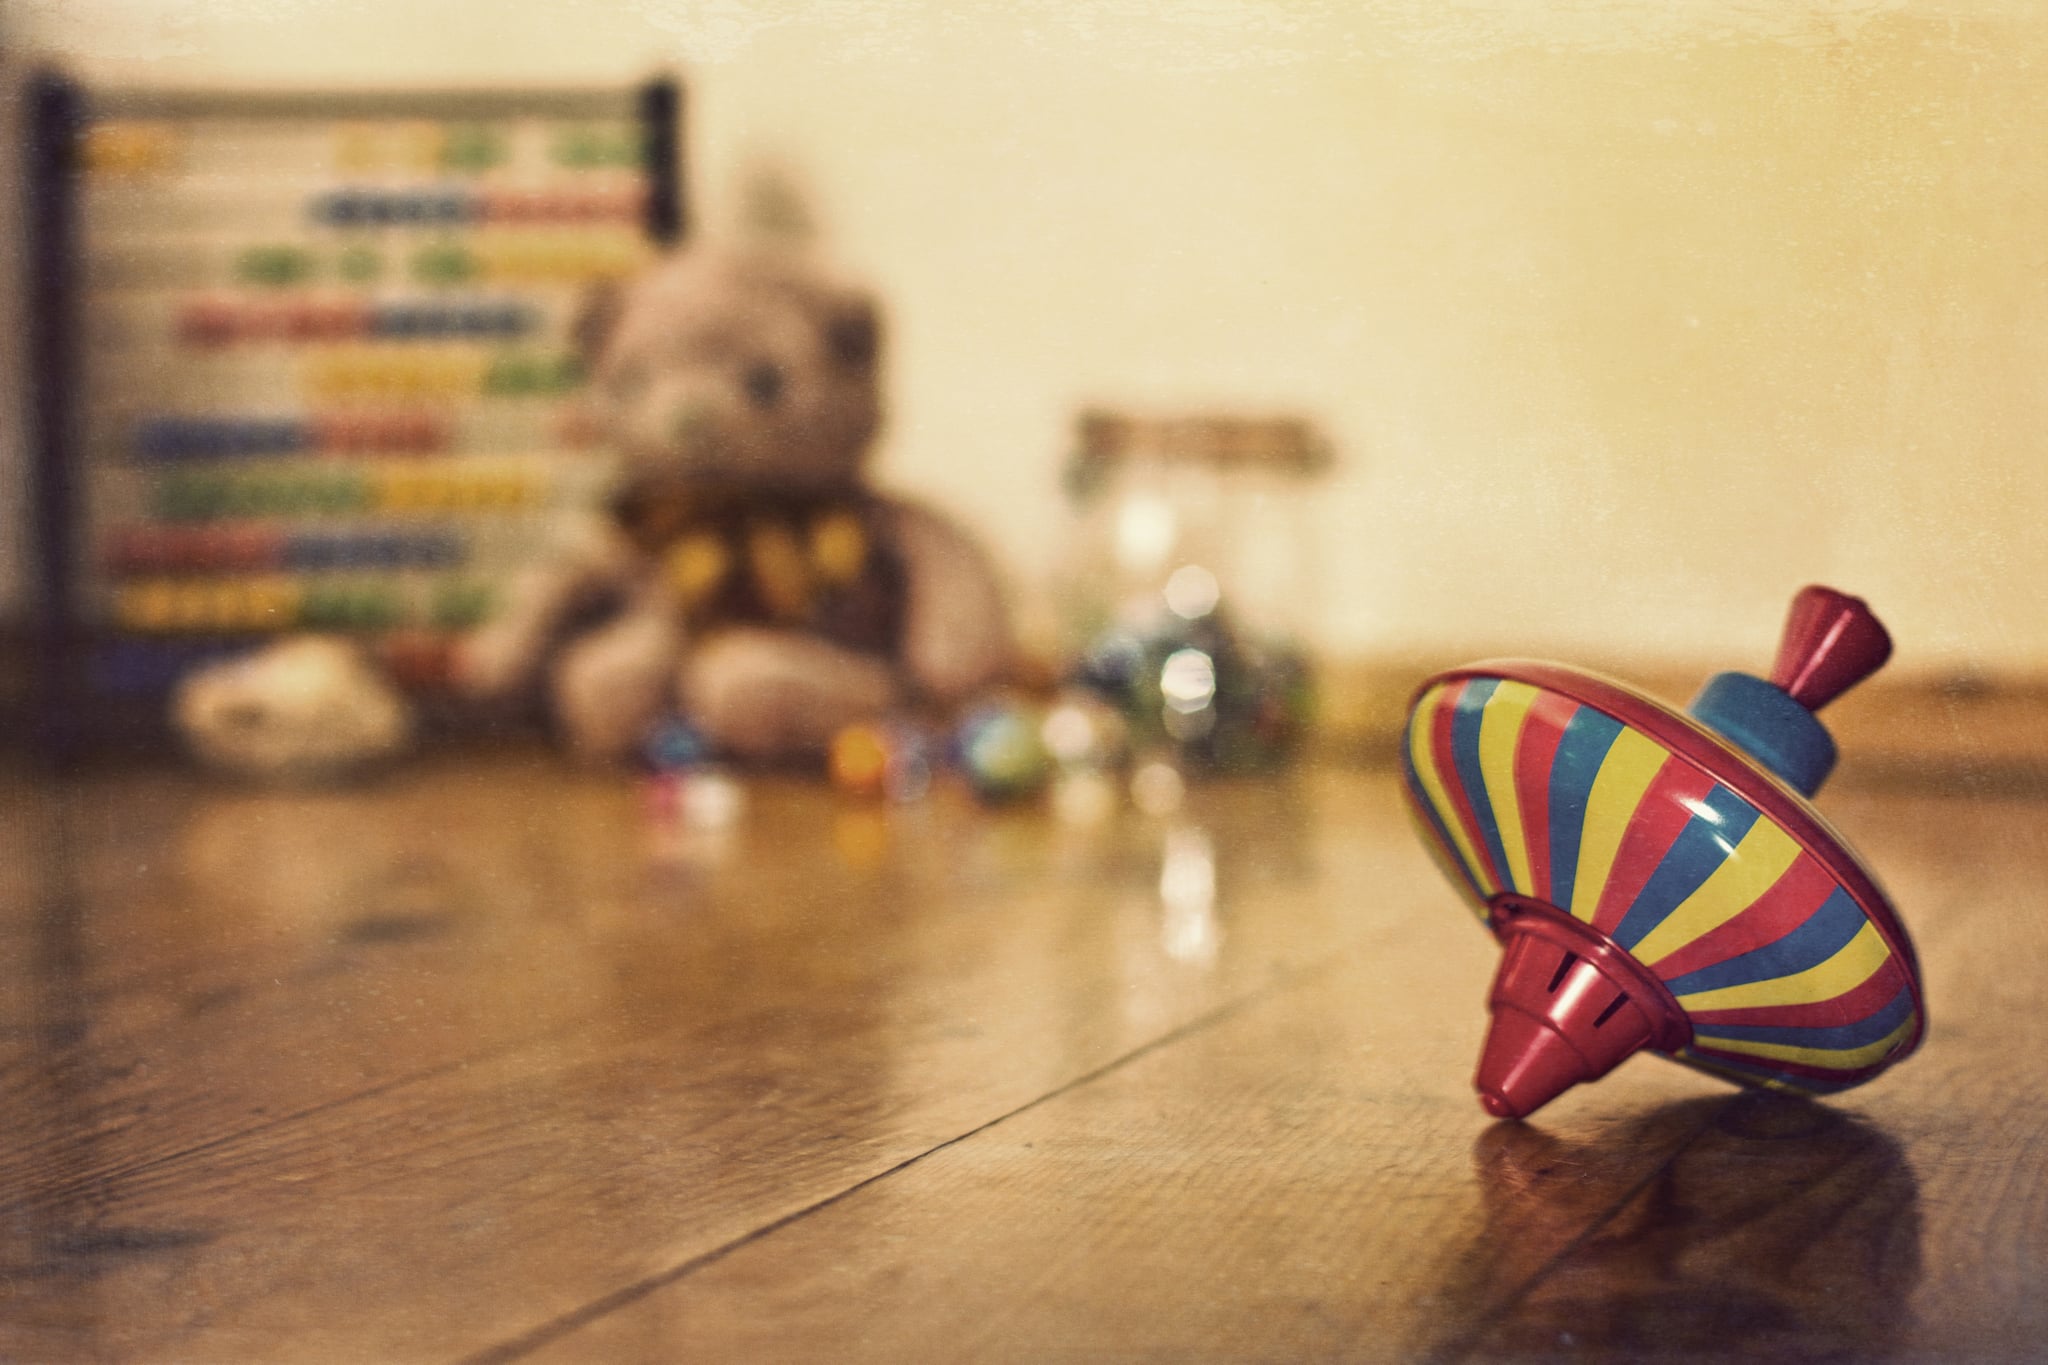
x,y
1659,880
1775,1229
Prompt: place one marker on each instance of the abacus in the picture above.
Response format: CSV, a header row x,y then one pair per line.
x,y
305,361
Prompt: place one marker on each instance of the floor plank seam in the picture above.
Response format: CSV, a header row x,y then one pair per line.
x,y
57,1019
59,1194
1461,1347
578,1318
61,914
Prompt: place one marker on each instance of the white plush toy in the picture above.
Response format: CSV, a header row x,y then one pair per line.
x,y
307,709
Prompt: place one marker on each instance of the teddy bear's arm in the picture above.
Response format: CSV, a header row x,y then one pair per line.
x,y
610,685
956,630
507,653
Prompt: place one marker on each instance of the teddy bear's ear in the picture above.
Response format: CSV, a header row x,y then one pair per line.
x,y
853,332
597,317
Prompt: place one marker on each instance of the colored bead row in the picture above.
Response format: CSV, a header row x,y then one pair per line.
x,y
175,549
273,603
220,322
358,208
552,257
212,438
209,496
137,147
120,148
363,372
525,257
185,549
584,147
400,433
472,147
220,438
312,550
356,372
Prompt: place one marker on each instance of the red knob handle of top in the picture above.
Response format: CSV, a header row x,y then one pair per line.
x,y
1832,641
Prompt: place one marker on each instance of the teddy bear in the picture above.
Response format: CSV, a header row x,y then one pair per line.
x,y
743,574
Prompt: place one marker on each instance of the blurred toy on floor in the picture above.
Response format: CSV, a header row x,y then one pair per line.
x,y
892,757
1000,752
306,709
747,578
1007,749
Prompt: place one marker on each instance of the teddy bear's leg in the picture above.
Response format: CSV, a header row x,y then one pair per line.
x,y
767,694
956,635
612,684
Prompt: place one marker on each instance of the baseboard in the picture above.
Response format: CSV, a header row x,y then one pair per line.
x,y
1985,732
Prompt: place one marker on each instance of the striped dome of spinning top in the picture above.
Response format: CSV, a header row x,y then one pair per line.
x,y
1656,886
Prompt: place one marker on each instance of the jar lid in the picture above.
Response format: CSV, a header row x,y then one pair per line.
x,y
1288,443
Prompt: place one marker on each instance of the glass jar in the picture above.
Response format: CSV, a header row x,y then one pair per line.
x,y
1189,586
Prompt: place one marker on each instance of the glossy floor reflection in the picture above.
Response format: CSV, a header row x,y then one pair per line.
x,y
474,1063
1780,1229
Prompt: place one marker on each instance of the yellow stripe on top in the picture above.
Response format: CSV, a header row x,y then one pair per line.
x,y
1422,752
1500,732
1751,868
1857,961
1840,1059
1625,774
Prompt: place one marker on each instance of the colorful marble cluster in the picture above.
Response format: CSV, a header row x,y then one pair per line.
x,y
1220,703
1071,752
1659,880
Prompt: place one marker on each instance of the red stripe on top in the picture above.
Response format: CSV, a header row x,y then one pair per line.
x,y
1859,1002
1454,787
1542,732
1788,903
1659,818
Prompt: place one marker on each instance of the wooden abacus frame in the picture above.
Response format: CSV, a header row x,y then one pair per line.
x,y
59,110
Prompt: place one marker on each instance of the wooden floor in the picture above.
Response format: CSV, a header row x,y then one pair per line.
x,y
470,1065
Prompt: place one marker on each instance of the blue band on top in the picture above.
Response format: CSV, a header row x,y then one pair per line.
x,y
1769,726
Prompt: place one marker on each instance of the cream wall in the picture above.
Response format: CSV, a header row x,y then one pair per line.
x,y
1627,317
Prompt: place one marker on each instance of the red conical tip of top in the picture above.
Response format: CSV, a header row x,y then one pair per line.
x,y
1832,641
1568,1006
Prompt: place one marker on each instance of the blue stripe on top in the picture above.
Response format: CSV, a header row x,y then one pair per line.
x,y
1717,826
1465,723
1819,937
1587,738
1857,1033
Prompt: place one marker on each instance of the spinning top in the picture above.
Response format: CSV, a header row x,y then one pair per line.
x,y
1659,880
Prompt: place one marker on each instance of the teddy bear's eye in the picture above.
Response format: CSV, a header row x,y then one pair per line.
x,y
763,382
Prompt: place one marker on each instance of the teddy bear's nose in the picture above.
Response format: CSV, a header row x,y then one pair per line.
x,y
690,425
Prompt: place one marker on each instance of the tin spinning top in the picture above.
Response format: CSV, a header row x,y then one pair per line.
x,y
1659,880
